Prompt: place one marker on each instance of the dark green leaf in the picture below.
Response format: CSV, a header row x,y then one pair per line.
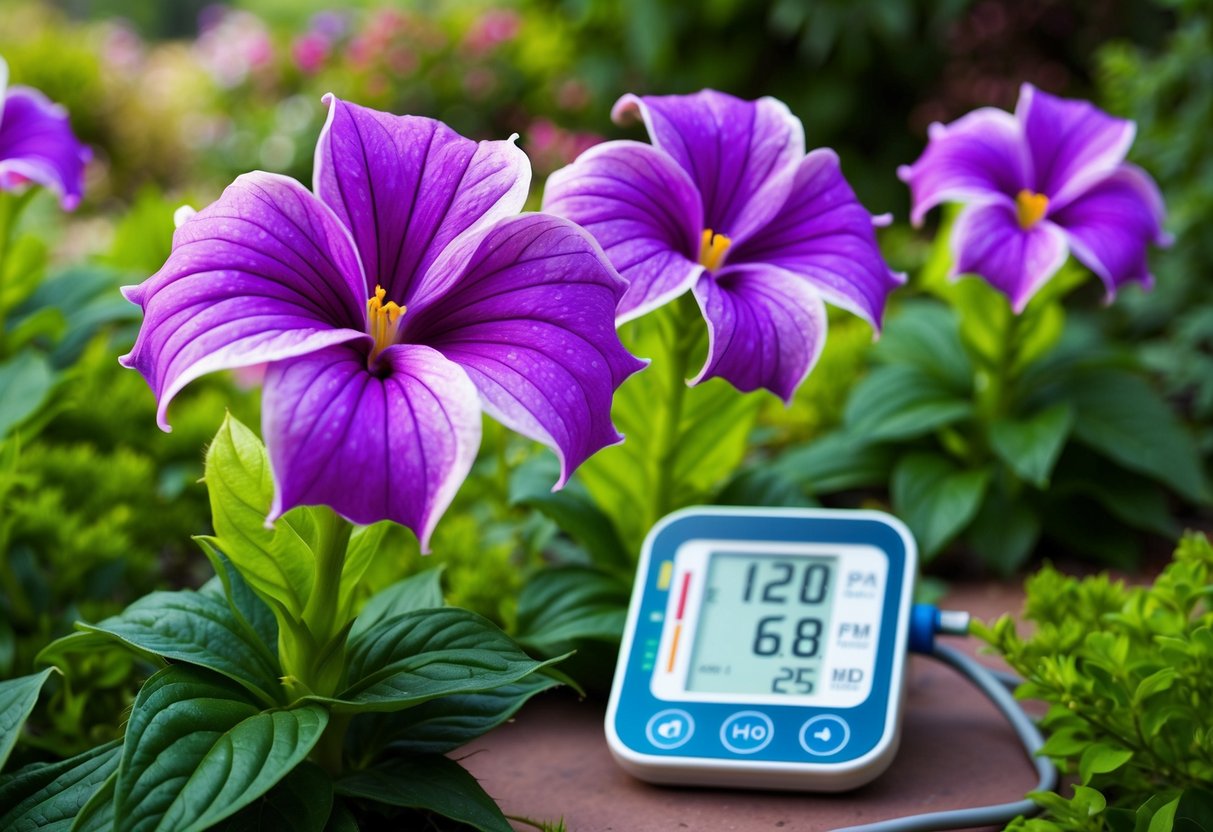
x,y
763,486
341,819
245,603
199,749
26,380
567,603
1131,498
47,797
418,656
97,815
935,498
416,592
442,724
837,462
1195,811
1004,531
300,803
17,700
191,627
429,782
926,334
1030,446
902,401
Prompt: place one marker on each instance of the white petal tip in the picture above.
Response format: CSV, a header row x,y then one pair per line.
x,y
183,215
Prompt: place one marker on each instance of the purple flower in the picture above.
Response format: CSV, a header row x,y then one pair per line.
x,y
725,202
391,306
1038,184
37,144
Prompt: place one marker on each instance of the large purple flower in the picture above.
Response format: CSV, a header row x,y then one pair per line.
x,y
725,202
391,305
37,144
1041,183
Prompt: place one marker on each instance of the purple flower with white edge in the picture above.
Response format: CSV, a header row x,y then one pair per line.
x,y
391,305
1049,180
725,203
37,144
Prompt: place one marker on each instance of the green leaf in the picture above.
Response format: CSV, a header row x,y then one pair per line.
x,y
902,401
926,334
1134,500
1030,446
26,380
278,563
763,486
257,618
1102,758
47,797
417,592
188,626
574,512
341,819
1004,531
935,498
199,749
443,724
1164,819
429,782
561,605
1157,682
837,462
419,656
17,700
367,543
1195,811
1119,415
302,802
97,815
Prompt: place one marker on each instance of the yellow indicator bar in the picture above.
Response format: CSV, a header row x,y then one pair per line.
x,y
665,575
669,668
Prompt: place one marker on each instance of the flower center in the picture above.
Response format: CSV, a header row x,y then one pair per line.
x,y
382,322
712,248
1030,208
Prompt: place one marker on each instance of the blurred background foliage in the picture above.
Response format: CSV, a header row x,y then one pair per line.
x,y
179,98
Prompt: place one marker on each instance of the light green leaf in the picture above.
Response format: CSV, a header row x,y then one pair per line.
x,y
1164,819
47,797
366,544
302,802
26,380
199,749
1156,682
17,700
418,656
417,592
188,626
562,605
837,462
935,498
1102,758
429,782
902,401
1030,446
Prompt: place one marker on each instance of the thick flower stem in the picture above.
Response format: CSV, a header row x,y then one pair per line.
x,y
996,400
682,336
329,751
11,206
320,615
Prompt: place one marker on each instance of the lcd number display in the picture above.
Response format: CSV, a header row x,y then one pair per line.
x,y
763,624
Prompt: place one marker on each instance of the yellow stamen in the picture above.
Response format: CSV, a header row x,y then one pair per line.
x,y
1030,208
382,321
712,248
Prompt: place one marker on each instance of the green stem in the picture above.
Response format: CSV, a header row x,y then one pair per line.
x,y
320,614
683,334
329,751
11,206
997,400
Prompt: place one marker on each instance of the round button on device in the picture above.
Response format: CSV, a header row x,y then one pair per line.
x,y
824,735
747,732
669,728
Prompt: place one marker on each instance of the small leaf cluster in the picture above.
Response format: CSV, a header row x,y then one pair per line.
x,y
1127,672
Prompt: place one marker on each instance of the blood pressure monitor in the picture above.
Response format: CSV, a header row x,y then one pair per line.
x,y
765,648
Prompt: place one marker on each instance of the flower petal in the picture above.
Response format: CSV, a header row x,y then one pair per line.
x,y
532,321
766,328
264,273
988,241
394,445
644,212
37,143
1110,225
824,234
1073,143
732,149
406,186
980,157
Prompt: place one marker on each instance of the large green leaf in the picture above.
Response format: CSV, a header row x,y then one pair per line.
x,y
565,604
199,749
429,782
188,626
763,486
935,498
26,380
1137,501
252,613
1030,446
86,297
97,815
926,334
422,591
1119,415
366,544
1004,532
47,797
417,656
300,803
442,724
17,700
838,462
902,401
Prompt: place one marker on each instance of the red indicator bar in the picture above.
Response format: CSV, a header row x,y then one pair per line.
x,y
682,599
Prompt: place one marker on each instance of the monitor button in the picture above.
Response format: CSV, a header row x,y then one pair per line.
x,y
824,735
670,728
747,732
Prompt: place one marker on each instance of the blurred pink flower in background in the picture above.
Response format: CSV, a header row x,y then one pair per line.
x,y
232,44
309,52
491,29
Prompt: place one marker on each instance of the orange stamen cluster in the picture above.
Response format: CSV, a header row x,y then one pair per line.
x,y
712,248
1030,208
382,321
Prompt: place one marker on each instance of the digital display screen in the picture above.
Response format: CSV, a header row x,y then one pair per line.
x,y
763,625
